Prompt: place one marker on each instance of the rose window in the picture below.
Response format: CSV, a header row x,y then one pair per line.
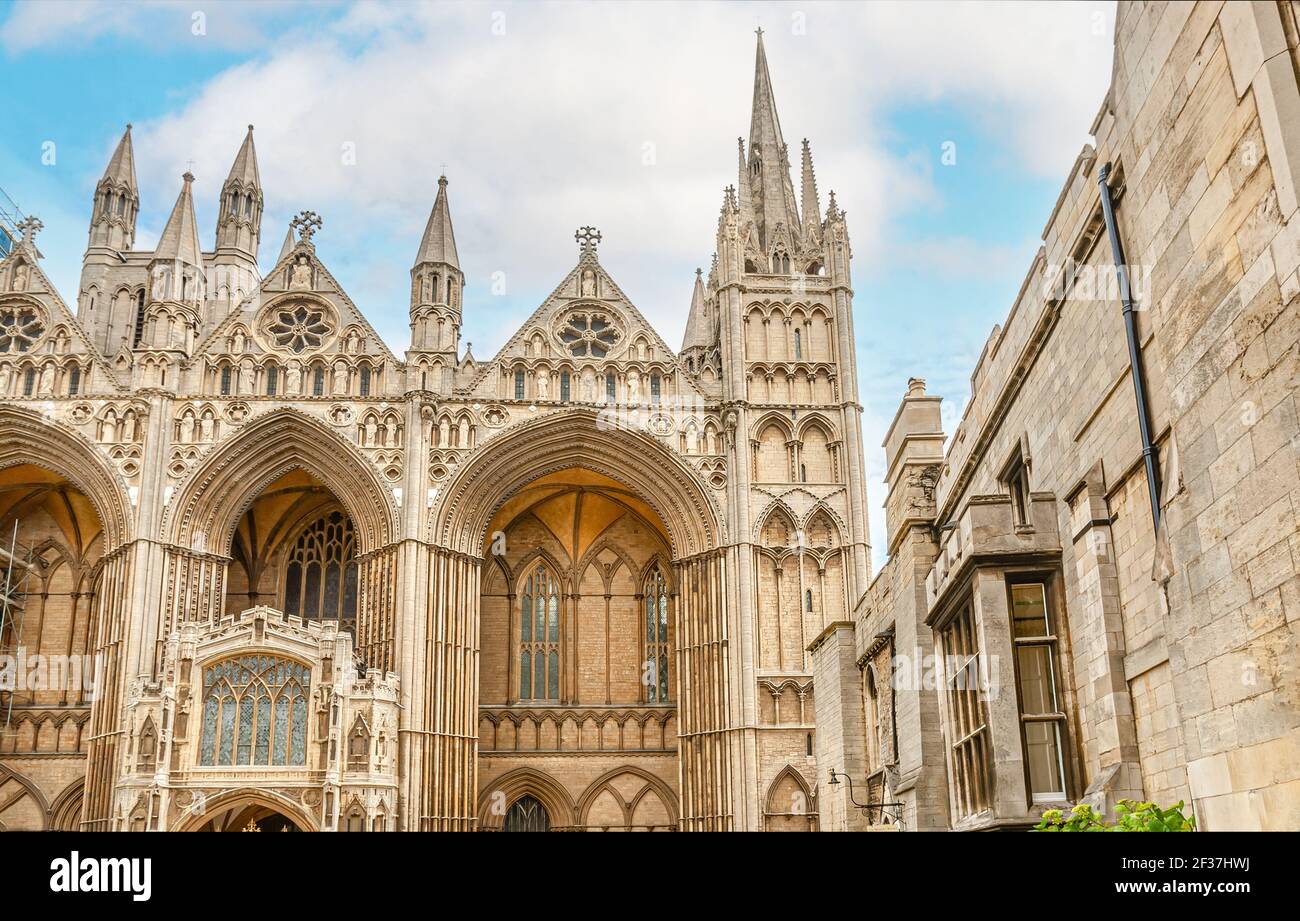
x,y
20,327
588,334
299,328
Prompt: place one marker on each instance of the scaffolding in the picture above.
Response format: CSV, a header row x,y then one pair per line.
x,y
10,217
16,565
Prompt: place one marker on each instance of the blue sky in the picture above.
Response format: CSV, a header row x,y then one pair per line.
x,y
548,116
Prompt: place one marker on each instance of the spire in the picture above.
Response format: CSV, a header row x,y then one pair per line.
x,y
239,217
287,248
244,169
180,238
812,211
697,325
770,187
117,201
121,166
439,243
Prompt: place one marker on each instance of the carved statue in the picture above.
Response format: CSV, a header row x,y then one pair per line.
x,y
47,380
340,377
371,428
543,385
301,276
588,288
206,426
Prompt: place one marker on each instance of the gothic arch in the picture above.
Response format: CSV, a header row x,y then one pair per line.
x,y
789,780
524,782
561,441
248,796
653,784
28,438
222,488
65,811
28,789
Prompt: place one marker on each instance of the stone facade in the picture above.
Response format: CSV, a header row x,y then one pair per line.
x,y
323,586
1168,668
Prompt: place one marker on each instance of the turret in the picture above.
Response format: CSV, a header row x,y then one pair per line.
x,y
117,201
176,291
239,229
436,286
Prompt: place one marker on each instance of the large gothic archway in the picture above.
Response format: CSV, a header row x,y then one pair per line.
x,y
571,454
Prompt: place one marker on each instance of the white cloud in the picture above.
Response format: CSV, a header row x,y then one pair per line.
x,y
549,125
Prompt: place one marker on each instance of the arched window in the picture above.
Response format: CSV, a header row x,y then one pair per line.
x,y
225,380
564,386
318,382
320,578
798,345
139,319
519,384
254,712
655,388
272,379
610,388
656,637
539,636
808,600
29,382
365,381
74,381
526,814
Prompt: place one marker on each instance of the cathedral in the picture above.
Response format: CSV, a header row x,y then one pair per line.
x,y
261,573
317,585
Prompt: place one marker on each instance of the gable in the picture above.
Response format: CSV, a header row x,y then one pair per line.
x,y
299,310
586,322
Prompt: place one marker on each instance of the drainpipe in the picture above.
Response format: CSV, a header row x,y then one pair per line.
x,y
1150,454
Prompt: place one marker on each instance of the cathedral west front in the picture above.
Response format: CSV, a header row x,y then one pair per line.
x,y
262,573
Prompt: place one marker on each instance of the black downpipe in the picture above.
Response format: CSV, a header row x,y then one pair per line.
x,y
1150,453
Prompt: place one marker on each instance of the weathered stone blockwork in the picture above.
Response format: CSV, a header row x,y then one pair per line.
x,y
1175,655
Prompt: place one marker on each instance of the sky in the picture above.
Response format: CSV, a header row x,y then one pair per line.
x,y
946,131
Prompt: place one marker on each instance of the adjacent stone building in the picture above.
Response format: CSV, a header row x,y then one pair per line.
x,y
1035,639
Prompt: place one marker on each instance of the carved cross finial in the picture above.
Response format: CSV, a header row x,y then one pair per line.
x,y
306,223
588,237
29,228
759,31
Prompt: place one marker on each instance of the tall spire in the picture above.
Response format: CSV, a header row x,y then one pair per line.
x,y
180,238
698,334
439,242
117,200
770,187
244,169
121,166
812,211
239,217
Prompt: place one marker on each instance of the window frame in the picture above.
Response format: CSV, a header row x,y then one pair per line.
x,y
1052,642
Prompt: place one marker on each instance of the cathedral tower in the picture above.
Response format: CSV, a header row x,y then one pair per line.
x,y
436,286
797,494
117,201
239,231
175,296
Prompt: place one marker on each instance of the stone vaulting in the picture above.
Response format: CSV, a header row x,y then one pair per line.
x,y
263,573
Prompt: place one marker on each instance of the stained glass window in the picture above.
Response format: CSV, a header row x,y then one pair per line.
x,y
320,575
20,327
539,637
254,712
656,638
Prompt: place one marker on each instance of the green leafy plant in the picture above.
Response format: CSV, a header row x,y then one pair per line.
x,y
1131,815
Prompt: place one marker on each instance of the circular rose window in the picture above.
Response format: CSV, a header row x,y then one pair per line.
x,y
588,333
298,327
20,327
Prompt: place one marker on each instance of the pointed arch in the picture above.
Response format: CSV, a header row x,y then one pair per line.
x,y
653,784
219,491
561,441
238,799
789,797
28,438
777,516
499,795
